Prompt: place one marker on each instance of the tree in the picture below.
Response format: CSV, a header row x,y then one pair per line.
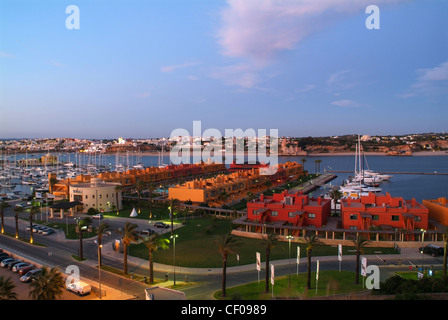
x,y
227,244
128,234
303,160
7,289
101,231
118,189
335,195
17,210
52,181
33,211
151,188
268,244
48,285
445,240
310,240
139,186
174,203
3,205
153,243
360,243
82,225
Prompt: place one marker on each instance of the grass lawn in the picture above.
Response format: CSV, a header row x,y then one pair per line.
x,y
330,283
196,247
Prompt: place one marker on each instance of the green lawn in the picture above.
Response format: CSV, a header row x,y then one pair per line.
x,y
196,247
330,283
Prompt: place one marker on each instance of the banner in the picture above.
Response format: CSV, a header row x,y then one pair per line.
x,y
339,252
317,270
272,274
364,267
258,261
298,254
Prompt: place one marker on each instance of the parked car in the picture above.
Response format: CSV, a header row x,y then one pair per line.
x,y
13,263
432,250
98,216
80,288
5,262
4,257
147,232
28,227
19,265
161,225
25,270
30,274
47,231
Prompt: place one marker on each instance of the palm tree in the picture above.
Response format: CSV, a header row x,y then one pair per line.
x,y
101,231
17,210
3,205
33,211
52,181
7,289
335,195
48,285
151,188
268,244
311,240
139,186
227,244
360,243
174,203
445,239
82,224
128,234
153,243
118,189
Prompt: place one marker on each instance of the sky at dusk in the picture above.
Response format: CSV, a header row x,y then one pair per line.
x,y
140,69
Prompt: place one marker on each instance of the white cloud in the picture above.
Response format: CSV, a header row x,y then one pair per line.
x,y
431,81
346,103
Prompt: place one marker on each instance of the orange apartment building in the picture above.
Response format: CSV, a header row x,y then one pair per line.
x,y
234,186
130,177
384,211
297,209
438,210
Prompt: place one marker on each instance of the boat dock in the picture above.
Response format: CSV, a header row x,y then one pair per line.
x,y
390,172
314,184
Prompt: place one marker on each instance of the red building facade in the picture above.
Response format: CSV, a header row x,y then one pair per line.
x,y
298,209
385,211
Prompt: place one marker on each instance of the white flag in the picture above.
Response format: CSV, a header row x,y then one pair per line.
x,y
258,261
298,254
317,270
272,274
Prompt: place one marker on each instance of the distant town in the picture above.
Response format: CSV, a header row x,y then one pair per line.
x,y
294,146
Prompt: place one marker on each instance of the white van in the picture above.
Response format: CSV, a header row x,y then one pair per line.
x,y
80,288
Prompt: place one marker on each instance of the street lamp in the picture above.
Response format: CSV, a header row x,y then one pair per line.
x,y
174,236
289,257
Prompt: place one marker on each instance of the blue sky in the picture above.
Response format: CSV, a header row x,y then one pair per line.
x,y
140,69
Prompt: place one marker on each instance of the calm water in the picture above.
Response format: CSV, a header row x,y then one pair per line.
x,y
406,185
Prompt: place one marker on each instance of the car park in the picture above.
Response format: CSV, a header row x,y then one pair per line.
x,y
160,225
30,274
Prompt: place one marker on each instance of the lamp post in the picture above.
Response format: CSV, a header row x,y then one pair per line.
x,y
289,258
174,236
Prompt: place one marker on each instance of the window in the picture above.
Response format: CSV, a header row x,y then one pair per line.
x,y
375,217
274,213
418,218
395,218
354,216
353,227
290,214
311,216
87,197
